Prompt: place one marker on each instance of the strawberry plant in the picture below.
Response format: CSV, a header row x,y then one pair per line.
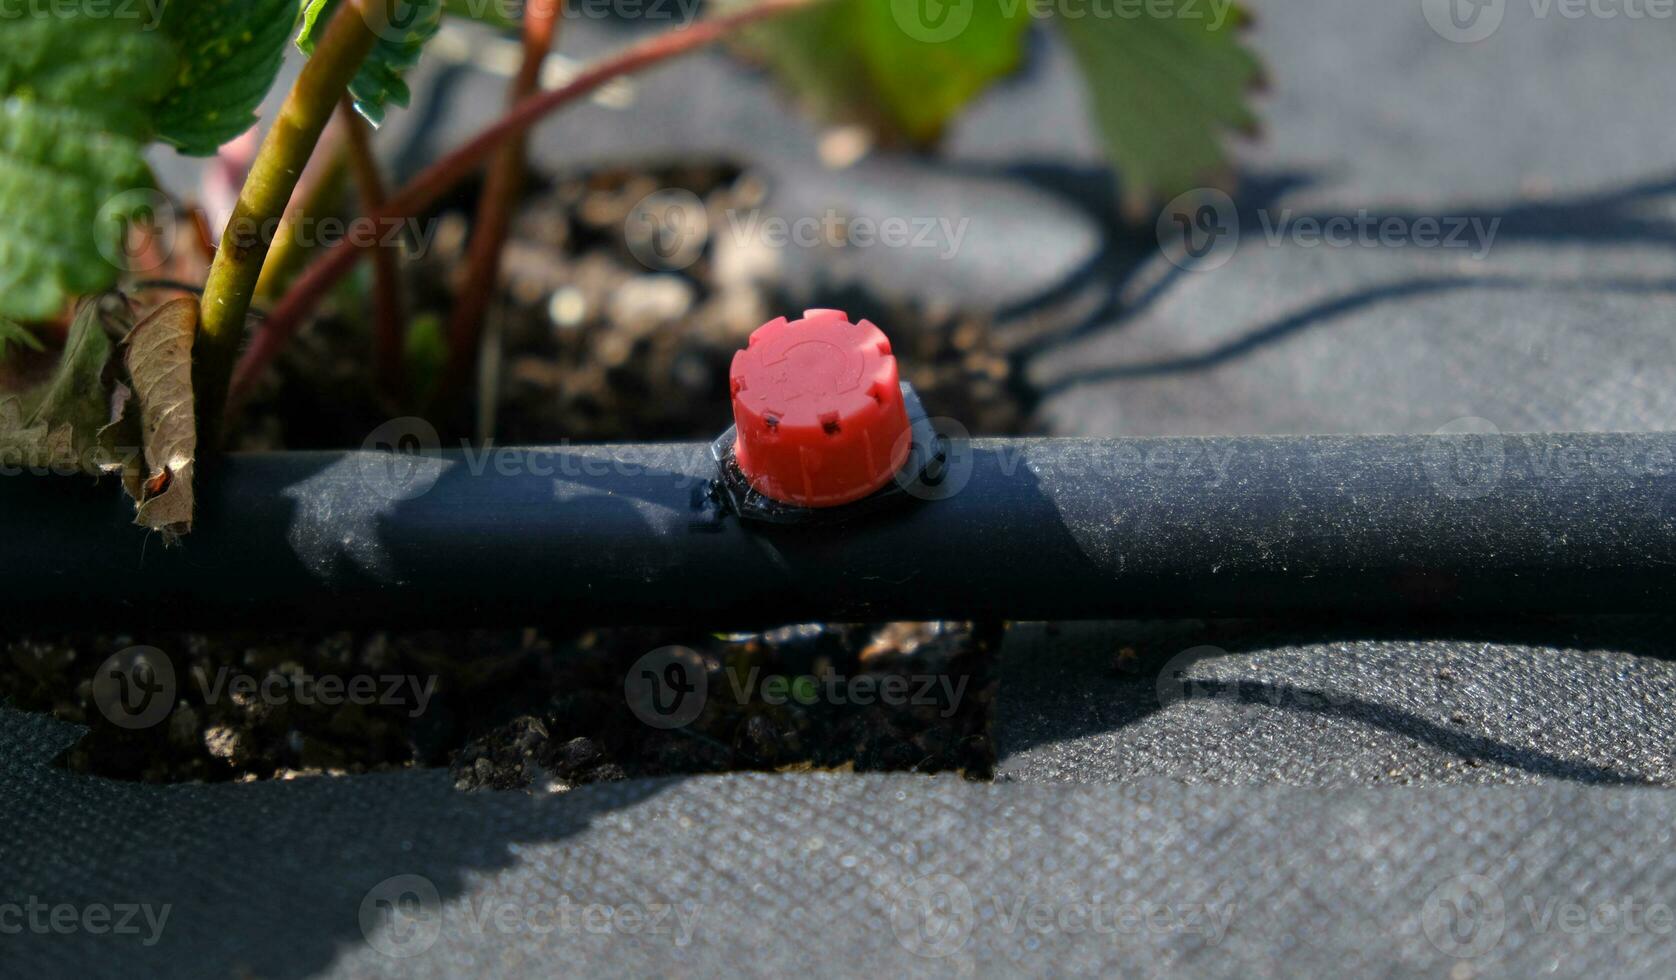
x,y
92,381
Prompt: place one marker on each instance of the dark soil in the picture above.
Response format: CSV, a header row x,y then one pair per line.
x,y
591,345
594,346
519,709
769,704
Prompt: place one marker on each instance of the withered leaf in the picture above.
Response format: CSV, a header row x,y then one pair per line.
x,y
158,355
55,429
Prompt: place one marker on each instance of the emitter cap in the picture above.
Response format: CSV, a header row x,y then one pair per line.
x,y
818,408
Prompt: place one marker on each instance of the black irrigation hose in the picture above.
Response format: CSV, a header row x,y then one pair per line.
x,y
1026,529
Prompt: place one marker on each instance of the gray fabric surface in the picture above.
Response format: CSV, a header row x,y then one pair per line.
x,y
1333,705
1557,129
829,874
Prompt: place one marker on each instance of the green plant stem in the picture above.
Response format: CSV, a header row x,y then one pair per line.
x,y
267,190
319,191
434,181
389,317
494,209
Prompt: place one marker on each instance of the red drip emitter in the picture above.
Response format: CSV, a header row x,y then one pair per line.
x,y
822,422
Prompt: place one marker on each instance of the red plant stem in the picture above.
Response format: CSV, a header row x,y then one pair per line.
x,y
434,181
388,316
494,210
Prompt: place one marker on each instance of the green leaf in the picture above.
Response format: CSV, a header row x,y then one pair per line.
x,y
76,94
412,24
1165,87
890,63
14,335
490,12
59,431
230,53
82,91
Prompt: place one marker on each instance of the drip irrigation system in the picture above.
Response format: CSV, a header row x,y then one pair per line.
x,y
1013,528
836,498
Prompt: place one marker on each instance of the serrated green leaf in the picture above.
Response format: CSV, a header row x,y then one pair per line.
x,y
379,82
59,430
1165,88
895,65
230,52
76,94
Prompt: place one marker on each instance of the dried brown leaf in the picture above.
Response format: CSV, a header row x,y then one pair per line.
x,y
55,428
158,355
